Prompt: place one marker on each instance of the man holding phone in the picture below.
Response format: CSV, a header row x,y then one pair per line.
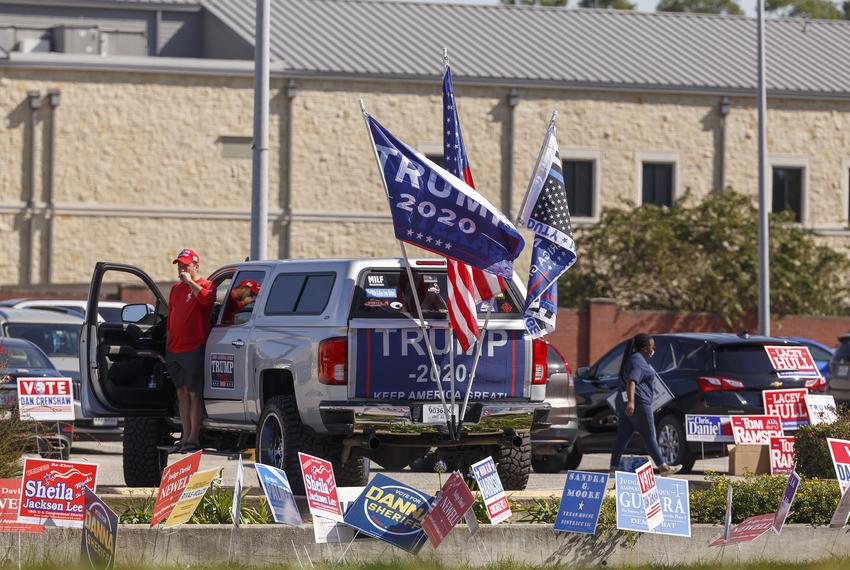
x,y
189,307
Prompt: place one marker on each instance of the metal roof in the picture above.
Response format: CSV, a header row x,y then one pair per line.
x,y
548,46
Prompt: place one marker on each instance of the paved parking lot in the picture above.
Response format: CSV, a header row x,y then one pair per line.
x,y
108,456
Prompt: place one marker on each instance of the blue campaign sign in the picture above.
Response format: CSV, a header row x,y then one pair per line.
x,y
675,505
709,429
393,364
581,502
433,209
392,512
278,492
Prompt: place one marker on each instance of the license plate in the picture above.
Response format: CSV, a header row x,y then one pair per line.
x,y
843,369
105,422
435,413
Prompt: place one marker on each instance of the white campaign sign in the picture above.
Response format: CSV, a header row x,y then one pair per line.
x,y
45,399
821,408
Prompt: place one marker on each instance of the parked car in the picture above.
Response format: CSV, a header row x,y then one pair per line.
x,y
839,371
58,336
109,311
708,373
22,359
550,447
821,353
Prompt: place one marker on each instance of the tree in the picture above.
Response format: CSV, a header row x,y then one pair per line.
x,y
615,4
703,258
817,9
701,6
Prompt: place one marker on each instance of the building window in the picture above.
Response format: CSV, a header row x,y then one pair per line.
x,y
788,191
579,182
436,159
657,183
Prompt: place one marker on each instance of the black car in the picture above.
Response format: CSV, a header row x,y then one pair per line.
x,y
708,373
21,358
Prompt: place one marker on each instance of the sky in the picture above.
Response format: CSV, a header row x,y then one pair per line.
x,y
749,6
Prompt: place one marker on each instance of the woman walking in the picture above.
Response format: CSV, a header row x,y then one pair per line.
x,y
634,404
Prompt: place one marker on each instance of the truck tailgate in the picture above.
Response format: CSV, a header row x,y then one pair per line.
x,y
392,364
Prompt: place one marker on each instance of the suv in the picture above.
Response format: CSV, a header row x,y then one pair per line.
x,y
707,373
839,371
328,360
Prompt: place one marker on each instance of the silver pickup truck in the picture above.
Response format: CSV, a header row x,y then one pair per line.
x,y
329,359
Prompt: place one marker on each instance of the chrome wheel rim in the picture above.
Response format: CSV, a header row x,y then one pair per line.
x,y
271,449
668,441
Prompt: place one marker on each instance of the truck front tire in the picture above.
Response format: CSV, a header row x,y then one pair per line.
x,y
280,436
514,462
143,462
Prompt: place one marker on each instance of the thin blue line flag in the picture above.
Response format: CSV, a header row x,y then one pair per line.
x,y
437,211
545,212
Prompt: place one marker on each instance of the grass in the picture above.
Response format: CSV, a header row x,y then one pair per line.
x,y
836,564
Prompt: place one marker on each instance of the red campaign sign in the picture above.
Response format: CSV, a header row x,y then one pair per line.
x,y
55,490
756,430
840,451
454,501
320,487
792,359
781,455
10,496
789,405
747,530
174,480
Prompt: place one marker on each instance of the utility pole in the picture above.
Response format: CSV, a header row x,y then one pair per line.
x,y
764,251
260,170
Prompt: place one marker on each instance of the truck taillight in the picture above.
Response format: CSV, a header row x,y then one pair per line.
x,y
540,368
816,384
719,384
333,353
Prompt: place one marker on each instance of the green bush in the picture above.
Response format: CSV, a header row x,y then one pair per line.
x,y
811,449
214,509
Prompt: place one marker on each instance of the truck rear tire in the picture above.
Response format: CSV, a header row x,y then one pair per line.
x,y
280,436
143,462
354,473
513,462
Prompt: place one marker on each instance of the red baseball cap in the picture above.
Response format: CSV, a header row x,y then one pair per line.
x,y
252,285
186,256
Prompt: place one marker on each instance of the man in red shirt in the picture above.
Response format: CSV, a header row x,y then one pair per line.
x,y
189,307
243,294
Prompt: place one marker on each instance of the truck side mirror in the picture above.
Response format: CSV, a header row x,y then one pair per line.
x,y
135,313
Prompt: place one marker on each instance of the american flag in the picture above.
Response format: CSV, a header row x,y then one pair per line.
x,y
468,285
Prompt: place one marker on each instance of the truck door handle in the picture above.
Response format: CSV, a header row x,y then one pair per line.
x,y
238,343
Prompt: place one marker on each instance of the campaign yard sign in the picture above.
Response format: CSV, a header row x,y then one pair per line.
x,y
675,505
490,485
581,502
391,511
756,430
320,487
10,496
191,497
842,512
792,361
821,409
747,530
781,455
454,500
840,451
330,531
785,503
789,405
174,480
236,502
649,496
708,429
100,529
55,490
45,399
279,495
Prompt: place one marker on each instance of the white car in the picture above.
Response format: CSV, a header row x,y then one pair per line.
x,y
109,311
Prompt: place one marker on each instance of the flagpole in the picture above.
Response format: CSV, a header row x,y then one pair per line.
x,y
455,419
421,324
549,127
480,342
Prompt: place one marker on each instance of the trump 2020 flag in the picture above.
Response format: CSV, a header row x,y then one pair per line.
x,y
437,211
546,213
